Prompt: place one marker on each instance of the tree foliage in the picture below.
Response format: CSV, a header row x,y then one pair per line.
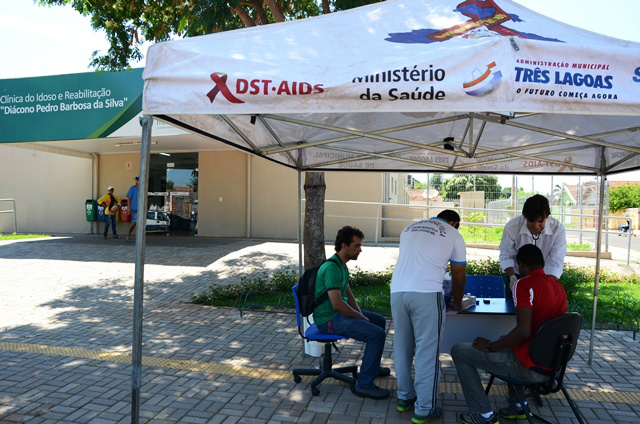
x,y
624,197
459,182
435,181
130,23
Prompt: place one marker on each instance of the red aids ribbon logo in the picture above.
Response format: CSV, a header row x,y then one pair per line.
x,y
567,160
220,79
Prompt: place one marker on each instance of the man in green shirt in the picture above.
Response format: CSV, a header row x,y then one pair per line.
x,y
340,313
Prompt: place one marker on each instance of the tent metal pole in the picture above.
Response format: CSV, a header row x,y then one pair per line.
x,y
300,230
138,292
598,253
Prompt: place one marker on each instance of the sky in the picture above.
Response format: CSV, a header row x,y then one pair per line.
x,y
39,41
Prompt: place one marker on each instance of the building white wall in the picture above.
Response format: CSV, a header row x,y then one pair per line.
x,y
50,191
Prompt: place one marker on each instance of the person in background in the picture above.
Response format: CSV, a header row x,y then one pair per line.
x,y
418,308
340,313
132,201
535,227
111,204
538,297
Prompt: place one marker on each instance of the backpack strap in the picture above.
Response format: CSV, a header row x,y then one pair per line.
x,y
325,295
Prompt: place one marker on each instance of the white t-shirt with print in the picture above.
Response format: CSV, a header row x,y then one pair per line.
x,y
426,247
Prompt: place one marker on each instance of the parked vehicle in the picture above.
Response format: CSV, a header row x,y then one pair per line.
x,y
158,221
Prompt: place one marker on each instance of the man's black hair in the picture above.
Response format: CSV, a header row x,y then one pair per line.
x,y
449,215
535,207
345,235
531,256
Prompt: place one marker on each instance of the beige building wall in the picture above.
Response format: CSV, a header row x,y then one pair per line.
x,y
222,194
117,170
239,195
49,189
356,187
274,200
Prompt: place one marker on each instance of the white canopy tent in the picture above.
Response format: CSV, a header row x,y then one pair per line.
x,y
408,86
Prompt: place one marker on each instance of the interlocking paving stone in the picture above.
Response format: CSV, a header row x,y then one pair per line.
x,y
70,302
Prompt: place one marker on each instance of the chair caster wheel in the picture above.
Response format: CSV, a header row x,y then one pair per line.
x,y
297,378
315,391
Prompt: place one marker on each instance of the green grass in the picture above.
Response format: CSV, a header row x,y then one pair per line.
x,y
16,236
617,292
484,235
579,247
493,235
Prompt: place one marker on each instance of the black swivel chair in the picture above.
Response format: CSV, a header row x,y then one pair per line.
x,y
312,334
552,347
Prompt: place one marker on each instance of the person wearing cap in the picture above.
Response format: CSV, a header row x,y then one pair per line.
x,y
111,204
132,201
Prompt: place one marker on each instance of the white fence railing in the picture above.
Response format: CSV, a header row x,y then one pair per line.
x,y
13,211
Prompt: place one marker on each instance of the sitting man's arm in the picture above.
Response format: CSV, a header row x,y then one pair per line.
x,y
351,300
344,308
521,332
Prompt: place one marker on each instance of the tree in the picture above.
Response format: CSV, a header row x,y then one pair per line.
x,y
459,182
130,23
435,182
418,185
193,181
313,233
558,196
624,197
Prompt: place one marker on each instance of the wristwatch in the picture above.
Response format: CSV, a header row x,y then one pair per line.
x,y
489,344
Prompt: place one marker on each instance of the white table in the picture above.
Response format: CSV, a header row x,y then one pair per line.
x,y
490,320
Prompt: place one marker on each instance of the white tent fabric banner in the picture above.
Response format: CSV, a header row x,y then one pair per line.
x,y
380,87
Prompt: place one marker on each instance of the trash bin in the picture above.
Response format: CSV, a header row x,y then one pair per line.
x,y
125,212
91,210
101,215
315,349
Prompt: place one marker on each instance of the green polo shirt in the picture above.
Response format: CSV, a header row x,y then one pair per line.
x,y
330,276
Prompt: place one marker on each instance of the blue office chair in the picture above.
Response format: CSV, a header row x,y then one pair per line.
x,y
552,347
485,286
312,334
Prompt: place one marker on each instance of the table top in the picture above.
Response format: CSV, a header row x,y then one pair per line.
x,y
496,306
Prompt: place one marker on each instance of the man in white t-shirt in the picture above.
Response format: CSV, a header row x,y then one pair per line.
x,y
418,308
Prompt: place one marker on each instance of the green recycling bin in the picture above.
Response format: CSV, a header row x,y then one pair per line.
x,y
91,210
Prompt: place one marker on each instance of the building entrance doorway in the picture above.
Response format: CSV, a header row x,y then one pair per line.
x,y
173,189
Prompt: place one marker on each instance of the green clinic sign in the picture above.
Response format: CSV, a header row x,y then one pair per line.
x,y
68,107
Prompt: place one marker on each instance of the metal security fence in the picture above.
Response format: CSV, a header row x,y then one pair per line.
x,y
484,202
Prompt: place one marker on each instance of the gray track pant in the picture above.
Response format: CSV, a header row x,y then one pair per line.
x,y
418,320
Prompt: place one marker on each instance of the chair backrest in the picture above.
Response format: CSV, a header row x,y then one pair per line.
x,y
485,286
294,289
554,343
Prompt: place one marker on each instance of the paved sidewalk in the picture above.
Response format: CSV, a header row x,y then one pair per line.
x,y
66,307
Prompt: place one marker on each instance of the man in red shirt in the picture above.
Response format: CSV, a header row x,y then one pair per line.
x,y
538,297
